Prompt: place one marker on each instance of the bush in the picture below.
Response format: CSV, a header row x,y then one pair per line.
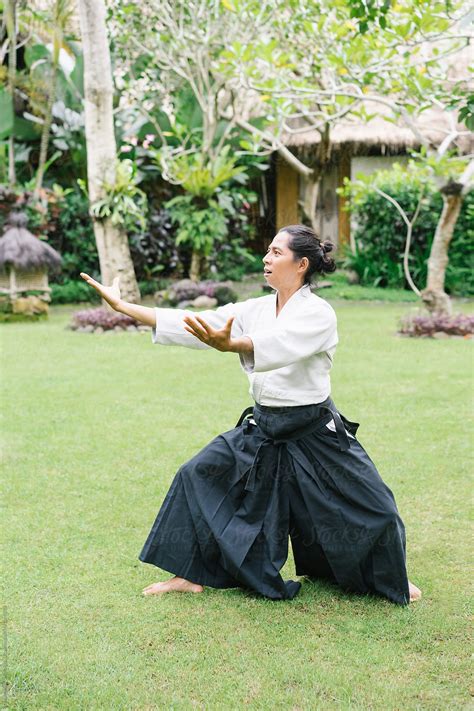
x,y
63,219
233,261
432,324
107,320
231,258
151,286
73,291
154,251
224,294
187,290
381,233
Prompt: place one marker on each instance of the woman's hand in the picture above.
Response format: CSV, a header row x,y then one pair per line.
x,y
219,339
110,294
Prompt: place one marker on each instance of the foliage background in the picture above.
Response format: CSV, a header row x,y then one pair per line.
x,y
381,233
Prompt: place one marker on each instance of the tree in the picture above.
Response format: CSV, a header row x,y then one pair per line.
x,y
11,28
42,89
403,67
112,242
410,190
276,68
56,20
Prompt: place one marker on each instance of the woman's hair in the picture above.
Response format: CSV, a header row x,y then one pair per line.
x,y
304,242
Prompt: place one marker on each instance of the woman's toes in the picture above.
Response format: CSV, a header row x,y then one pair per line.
x,y
415,593
196,588
151,588
173,585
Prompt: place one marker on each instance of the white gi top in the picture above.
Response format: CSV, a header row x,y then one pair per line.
x,y
293,352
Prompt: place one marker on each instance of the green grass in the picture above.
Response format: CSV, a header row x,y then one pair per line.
x,y
341,289
95,428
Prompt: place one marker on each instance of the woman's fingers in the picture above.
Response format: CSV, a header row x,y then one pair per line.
x,y
197,330
190,330
205,333
97,285
91,281
228,326
205,325
198,335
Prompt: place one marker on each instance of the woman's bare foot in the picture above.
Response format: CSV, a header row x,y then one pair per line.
x,y
173,585
415,593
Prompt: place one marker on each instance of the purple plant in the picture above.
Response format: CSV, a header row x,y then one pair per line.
x,y
187,290
102,317
429,324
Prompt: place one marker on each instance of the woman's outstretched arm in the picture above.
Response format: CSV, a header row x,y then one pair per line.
x,y
219,338
111,294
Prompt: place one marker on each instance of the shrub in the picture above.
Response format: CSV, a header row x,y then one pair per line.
x,y
151,286
233,261
381,233
231,258
73,291
154,251
61,217
102,317
431,324
224,294
187,290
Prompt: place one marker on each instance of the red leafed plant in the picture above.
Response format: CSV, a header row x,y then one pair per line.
x,y
429,324
102,317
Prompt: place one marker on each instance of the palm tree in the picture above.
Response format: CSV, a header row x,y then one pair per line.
x,y
11,28
55,22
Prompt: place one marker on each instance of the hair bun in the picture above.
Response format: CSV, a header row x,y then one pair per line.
x,y
327,246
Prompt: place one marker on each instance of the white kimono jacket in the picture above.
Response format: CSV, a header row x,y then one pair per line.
x,y
293,352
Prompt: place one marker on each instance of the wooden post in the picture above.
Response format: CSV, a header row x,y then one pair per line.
x,y
13,284
287,194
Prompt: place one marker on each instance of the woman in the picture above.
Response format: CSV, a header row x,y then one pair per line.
x,y
292,467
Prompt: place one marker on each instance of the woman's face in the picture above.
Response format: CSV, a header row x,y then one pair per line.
x,y
281,271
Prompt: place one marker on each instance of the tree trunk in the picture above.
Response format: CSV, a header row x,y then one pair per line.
x,y
198,264
48,119
311,182
434,296
10,15
311,186
112,242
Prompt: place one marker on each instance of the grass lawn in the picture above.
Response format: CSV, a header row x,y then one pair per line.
x,y
95,428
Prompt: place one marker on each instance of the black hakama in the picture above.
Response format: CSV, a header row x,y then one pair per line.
x,y
227,517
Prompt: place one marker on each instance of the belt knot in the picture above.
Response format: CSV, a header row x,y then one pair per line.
x,y
267,442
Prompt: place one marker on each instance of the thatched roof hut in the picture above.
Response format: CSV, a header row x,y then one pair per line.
x,y
356,147
24,259
24,251
381,136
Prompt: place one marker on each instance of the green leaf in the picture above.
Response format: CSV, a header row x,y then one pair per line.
x,y
6,114
35,53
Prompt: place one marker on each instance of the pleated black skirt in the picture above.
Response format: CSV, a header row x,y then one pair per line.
x,y
281,474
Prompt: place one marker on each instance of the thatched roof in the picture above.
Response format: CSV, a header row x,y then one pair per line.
x,y
18,247
384,135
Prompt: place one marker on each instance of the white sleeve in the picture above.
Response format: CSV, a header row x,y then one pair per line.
x,y
307,333
169,328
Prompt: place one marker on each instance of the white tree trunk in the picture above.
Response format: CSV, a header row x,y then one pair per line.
x,y
311,187
434,296
112,242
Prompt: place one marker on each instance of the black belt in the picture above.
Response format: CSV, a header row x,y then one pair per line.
x,y
316,426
